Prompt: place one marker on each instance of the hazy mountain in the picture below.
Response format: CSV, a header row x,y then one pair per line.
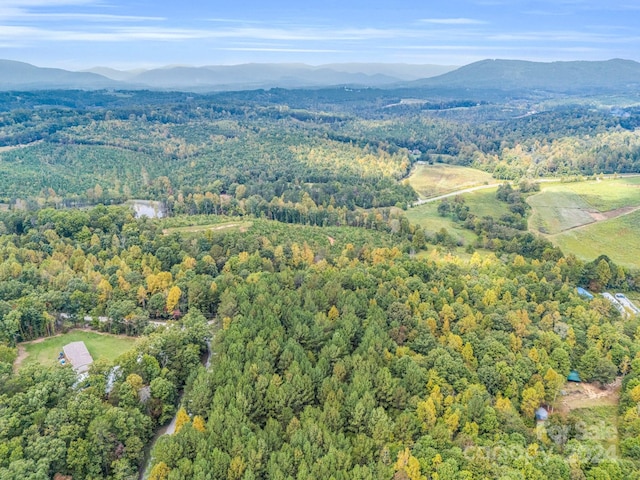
x,y
254,75
496,75
113,74
19,75
577,76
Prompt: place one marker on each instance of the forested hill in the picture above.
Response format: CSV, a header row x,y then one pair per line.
x,y
23,76
608,75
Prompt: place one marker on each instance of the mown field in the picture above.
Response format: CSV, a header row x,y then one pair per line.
x,y
619,238
439,179
101,346
591,218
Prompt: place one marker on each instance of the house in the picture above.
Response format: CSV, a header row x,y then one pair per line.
x,y
78,355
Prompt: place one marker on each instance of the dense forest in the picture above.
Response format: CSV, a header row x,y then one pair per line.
x,y
351,344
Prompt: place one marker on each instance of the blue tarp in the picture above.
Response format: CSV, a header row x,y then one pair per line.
x,y
542,414
574,377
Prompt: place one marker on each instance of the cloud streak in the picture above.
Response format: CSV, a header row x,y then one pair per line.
x,y
453,21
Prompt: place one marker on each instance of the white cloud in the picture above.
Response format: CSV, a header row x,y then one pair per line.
x,y
453,21
279,49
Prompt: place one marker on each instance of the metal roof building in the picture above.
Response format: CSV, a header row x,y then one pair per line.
x,y
78,356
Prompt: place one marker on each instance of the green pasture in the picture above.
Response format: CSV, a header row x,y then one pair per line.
x,y
427,216
481,203
439,179
45,351
619,238
555,210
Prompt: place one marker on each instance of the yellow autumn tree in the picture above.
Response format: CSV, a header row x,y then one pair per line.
x,y
427,413
408,464
182,418
173,298
160,471
198,423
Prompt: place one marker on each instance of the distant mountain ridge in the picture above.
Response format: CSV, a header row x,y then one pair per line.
x,y
565,77
20,75
23,76
498,75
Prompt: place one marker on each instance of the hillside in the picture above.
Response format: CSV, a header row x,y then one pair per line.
x,y
576,76
23,76
19,75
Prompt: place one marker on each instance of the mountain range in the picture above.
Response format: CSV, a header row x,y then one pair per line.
x,y
504,75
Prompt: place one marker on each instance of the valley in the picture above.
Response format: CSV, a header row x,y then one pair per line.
x,y
392,283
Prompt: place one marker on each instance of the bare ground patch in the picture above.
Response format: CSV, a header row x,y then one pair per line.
x,y
588,395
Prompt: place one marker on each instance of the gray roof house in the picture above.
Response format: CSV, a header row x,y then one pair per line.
x,y
78,355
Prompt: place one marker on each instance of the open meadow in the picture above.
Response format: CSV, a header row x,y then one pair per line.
x,y
439,179
481,203
591,218
45,351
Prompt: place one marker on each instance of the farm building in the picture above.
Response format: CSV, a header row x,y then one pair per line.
x,y
78,355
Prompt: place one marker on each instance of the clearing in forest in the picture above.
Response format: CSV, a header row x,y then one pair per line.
x,y
216,227
596,411
45,351
433,180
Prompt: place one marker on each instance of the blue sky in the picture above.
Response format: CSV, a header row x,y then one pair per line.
x,y
129,34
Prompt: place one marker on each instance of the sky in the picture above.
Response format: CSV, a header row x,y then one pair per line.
x,y
131,34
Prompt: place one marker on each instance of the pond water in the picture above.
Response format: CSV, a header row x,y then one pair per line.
x,y
147,208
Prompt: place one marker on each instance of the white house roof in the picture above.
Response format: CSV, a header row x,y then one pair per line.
x,y
78,356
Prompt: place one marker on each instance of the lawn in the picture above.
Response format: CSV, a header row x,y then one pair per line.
x,y
433,180
45,351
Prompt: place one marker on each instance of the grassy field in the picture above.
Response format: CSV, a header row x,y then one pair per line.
x,y
599,424
563,206
433,180
591,218
45,351
226,226
426,215
619,238
555,210
481,203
